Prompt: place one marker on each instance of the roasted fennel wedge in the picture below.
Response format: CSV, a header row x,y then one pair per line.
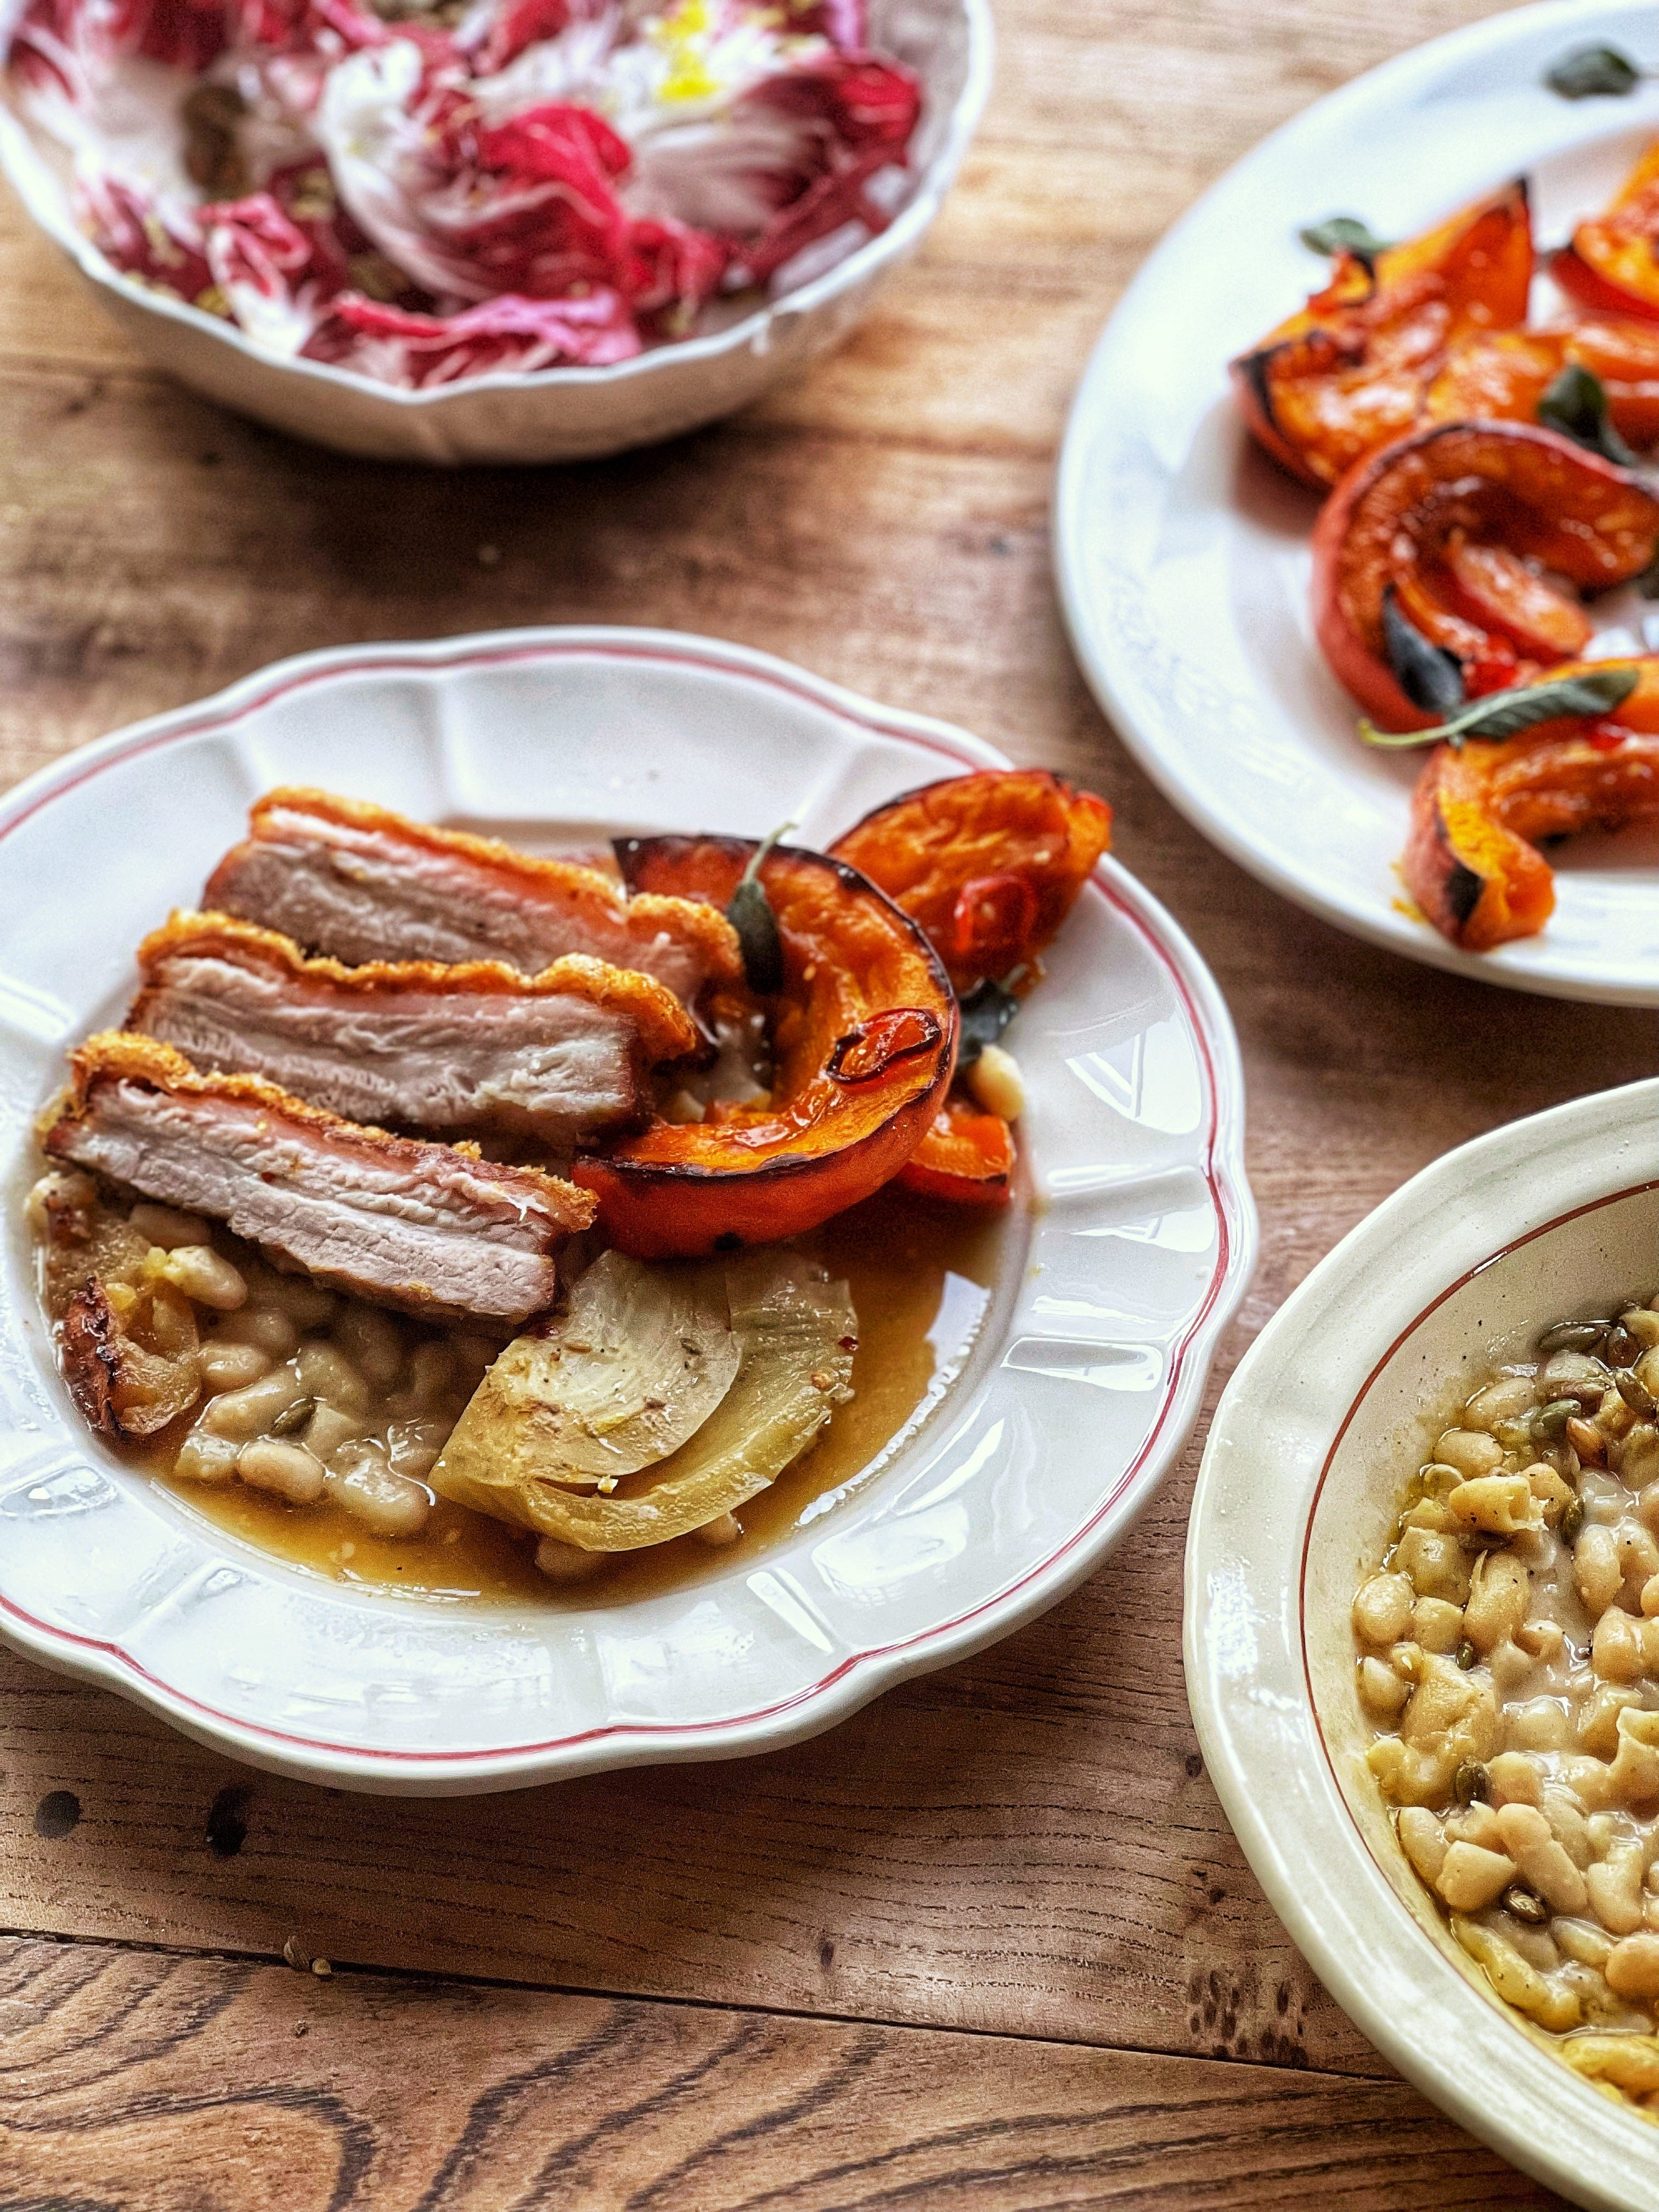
x,y
795,1333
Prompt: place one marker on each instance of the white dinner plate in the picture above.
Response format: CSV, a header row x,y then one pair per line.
x,y
1333,1407
1049,1423
1182,552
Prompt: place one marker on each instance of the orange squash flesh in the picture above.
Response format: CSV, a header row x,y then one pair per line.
x,y
1610,265
987,864
1468,525
1479,812
1349,371
864,1044
966,1158
1503,376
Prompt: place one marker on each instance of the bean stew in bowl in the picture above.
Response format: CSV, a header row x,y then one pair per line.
x,y
1422,1633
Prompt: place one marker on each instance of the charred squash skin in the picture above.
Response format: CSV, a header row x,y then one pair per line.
x,y
1457,521
864,1043
966,1158
1479,812
987,864
1349,372
1609,265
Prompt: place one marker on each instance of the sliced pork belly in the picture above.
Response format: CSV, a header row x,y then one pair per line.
x,y
564,1056
429,1228
343,878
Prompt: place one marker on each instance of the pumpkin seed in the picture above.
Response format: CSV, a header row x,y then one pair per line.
x,y
293,1418
1471,1785
1621,1348
1514,1436
1636,1394
1552,1420
1573,1336
1466,1655
1525,1906
1572,1520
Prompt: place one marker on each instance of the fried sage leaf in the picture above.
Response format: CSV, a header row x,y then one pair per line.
x,y
1345,233
1429,676
1506,713
1576,403
986,1012
636,1365
749,913
1592,73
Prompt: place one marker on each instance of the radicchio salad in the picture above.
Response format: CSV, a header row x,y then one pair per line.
x,y
420,194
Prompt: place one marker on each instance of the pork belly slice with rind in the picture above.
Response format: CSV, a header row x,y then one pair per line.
x,y
431,1229
344,877
564,1056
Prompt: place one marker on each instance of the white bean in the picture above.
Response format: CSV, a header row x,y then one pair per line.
x,y
1502,1399
567,1563
200,1273
250,1411
1471,1451
431,1367
166,1226
327,1373
370,1340
206,1458
996,1082
265,1327
360,1482
1633,1968
328,1429
289,1469
229,1366
414,1446
1382,1610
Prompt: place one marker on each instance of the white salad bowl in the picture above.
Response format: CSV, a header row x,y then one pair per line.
x,y
1057,1405
1334,1406
551,414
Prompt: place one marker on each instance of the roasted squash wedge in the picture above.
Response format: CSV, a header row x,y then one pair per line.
x,y
1475,534
864,1040
987,864
1504,375
1349,371
1480,810
967,1157
1610,265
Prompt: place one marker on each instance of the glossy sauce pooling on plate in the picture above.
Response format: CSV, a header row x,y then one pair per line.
x,y
1509,1656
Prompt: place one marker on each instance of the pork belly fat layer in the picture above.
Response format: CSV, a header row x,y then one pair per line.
x,y
363,884
560,1068
414,1225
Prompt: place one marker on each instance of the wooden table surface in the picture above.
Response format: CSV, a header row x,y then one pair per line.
x,y
991,1943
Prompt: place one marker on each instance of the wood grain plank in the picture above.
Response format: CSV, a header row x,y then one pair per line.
x,y
154,2084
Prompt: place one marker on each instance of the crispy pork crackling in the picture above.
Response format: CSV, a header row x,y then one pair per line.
x,y
342,876
429,1228
564,1056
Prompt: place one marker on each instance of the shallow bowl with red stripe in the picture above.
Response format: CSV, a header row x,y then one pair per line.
x,y
1045,1431
1334,1406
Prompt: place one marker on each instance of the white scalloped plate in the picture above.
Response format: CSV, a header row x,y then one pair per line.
x,y
1334,1403
1069,1407
1183,553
